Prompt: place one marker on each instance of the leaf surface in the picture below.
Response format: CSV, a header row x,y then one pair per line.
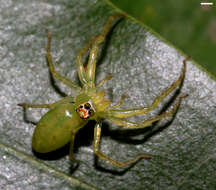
x,y
143,65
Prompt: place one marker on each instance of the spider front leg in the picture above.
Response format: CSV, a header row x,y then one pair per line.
x,y
89,74
96,148
52,68
79,61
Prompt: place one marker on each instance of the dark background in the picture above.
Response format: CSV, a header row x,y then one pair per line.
x,y
186,24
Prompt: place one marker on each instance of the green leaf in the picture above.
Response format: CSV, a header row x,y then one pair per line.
x,y
188,25
143,65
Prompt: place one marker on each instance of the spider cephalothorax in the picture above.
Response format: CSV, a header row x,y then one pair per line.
x,y
66,116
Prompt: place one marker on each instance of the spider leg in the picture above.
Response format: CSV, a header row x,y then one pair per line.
x,y
79,61
71,148
123,113
101,83
52,68
91,66
67,99
130,124
34,105
120,102
96,148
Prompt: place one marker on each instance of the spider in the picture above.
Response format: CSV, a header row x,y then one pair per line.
x,y
66,116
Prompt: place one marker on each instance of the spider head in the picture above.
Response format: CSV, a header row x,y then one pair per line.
x,y
85,110
90,105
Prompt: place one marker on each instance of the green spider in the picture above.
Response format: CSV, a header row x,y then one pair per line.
x,y
66,116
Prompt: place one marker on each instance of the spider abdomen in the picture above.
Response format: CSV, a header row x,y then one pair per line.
x,y
55,128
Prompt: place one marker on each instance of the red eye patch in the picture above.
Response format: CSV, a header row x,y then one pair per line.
x,y
83,113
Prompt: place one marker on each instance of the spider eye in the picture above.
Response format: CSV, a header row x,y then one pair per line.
x,y
87,106
91,112
85,110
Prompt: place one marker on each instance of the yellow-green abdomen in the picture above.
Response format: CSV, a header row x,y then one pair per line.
x,y
55,128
